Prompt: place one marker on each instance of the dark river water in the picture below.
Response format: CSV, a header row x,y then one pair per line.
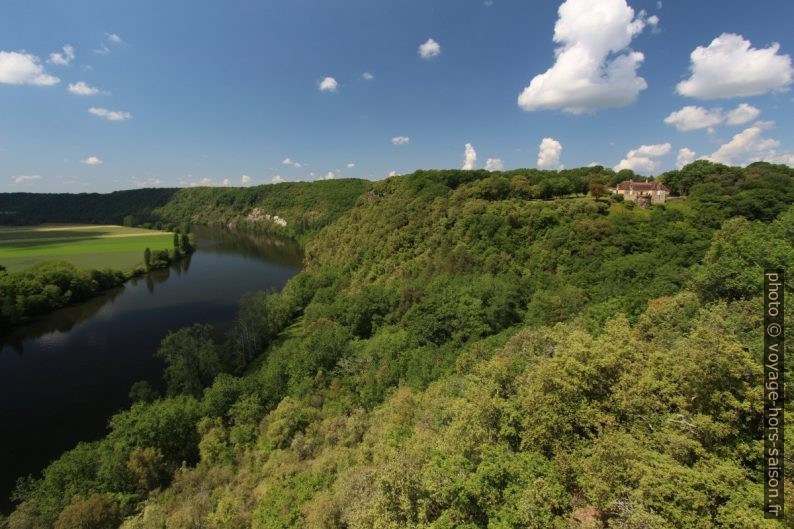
x,y
62,377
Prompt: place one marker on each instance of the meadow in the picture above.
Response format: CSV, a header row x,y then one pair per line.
x,y
85,246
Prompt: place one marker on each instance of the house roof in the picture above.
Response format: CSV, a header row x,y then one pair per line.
x,y
627,185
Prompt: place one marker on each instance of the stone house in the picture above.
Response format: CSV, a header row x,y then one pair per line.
x,y
643,193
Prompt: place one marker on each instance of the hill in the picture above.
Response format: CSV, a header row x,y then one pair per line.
x,y
295,209
464,350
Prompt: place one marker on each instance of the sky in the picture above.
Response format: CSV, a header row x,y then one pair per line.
x,y
101,95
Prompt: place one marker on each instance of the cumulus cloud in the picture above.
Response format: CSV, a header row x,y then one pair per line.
x,y
367,76
469,157
91,160
731,67
80,88
494,164
276,179
20,179
113,38
245,179
685,157
110,115
392,173
328,84
62,59
329,175
226,182
641,160
429,49
749,146
400,140
594,67
742,114
291,163
549,154
695,117
18,67
350,165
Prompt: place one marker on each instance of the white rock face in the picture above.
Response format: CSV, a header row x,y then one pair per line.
x,y
257,215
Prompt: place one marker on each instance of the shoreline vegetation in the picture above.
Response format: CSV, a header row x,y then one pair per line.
x,y
463,349
49,285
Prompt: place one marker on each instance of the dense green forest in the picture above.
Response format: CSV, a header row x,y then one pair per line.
x,y
465,349
295,209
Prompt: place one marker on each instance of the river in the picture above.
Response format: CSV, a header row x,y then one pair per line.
x,y
63,376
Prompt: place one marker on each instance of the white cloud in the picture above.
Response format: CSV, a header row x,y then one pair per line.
x,y
80,88
62,59
226,182
742,114
367,76
245,179
91,160
102,50
731,67
549,154
392,173
328,84
641,160
350,165
149,182
594,67
751,146
653,20
18,67
488,3
685,157
291,163
695,117
20,179
400,140
276,179
494,164
110,115
329,175
469,157
429,49
112,37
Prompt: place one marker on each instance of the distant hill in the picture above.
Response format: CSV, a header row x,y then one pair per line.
x,y
296,209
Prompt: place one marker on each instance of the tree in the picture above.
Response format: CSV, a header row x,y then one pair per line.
x,y
97,511
192,359
597,190
142,390
176,240
147,258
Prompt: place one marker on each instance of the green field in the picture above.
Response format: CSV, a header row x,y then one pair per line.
x,y
85,246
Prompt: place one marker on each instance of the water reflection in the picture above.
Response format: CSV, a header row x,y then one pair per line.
x,y
62,376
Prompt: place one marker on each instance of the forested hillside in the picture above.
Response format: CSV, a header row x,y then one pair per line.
x,y
465,350
304,207
89,208
296,209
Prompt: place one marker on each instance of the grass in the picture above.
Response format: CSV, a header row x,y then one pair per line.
x,y
85,246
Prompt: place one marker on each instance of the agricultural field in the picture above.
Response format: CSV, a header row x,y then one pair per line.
x,y
85,246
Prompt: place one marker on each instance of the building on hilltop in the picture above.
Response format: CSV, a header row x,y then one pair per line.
x,y
643,193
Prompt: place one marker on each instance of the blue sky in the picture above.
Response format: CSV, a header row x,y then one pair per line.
x,y
193,92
